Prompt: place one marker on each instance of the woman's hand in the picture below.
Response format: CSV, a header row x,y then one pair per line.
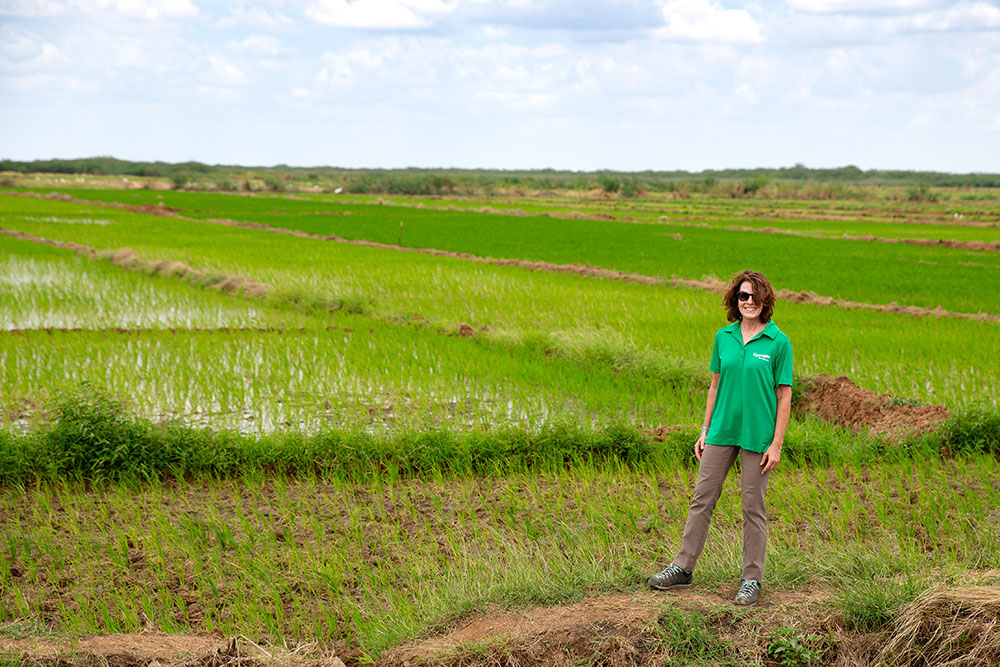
x,y
699,446
770,458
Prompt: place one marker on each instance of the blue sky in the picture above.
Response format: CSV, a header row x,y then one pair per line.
x,y
569,84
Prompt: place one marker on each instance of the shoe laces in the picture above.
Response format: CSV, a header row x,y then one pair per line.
x,y
672,569
749,587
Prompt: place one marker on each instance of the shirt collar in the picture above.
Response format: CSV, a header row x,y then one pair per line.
x,y
770,329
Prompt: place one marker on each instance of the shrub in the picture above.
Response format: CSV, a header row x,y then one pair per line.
x,y
180,180
273,183
751,186
920,193
609,183
630,188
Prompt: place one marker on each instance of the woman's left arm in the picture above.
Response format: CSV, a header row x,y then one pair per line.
x,y
770,459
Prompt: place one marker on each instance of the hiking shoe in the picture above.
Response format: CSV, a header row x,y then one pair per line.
x,y
748,593
671,577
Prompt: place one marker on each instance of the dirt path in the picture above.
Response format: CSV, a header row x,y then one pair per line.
x,y
611,629
154,649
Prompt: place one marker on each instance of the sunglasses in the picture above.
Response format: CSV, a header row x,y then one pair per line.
x,y
744,296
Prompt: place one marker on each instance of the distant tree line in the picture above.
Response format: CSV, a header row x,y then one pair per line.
x,y
452,181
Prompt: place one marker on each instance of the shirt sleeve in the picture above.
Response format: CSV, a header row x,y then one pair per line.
x,y
716,364
783,365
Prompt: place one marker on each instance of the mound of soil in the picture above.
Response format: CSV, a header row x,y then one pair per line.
x,y
615,629
152,649
842,402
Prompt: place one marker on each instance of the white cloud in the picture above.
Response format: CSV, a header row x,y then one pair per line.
x,y
255,16
33,84
148,10
379,14
963,16
494,33
266,45
218,94
33,8
856,6
22,51
218,71
707,21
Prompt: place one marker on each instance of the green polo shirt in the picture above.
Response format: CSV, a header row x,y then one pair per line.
x,y
745,403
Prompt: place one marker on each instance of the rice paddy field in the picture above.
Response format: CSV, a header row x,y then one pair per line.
x,y
358,426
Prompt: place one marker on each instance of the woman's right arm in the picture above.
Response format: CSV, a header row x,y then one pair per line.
x,y
699,446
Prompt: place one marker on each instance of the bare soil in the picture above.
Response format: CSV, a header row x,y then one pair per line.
x,y
154,649
612,629
842,402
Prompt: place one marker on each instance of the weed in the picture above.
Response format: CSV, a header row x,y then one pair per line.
x,y
689,637
793,648
974,430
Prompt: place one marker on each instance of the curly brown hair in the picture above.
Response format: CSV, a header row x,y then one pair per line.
x,y
763,295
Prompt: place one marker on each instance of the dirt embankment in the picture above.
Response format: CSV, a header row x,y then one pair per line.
x,y
156,649
129,259
953,626
840,401
814,299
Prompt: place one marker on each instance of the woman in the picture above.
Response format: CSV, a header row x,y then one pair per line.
x,y
745,416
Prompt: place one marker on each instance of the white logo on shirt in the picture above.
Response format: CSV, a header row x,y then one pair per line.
x,y
765,357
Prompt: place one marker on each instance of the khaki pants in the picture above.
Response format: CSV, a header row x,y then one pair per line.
x,y
716,461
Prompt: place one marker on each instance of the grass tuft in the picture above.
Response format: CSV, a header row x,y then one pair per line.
x,y
976,430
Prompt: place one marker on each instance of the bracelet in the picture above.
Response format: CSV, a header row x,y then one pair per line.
x,y
704,430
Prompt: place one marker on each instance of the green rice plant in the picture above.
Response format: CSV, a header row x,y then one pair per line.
x,y
931,360
867,272
972,222
365,565
44,287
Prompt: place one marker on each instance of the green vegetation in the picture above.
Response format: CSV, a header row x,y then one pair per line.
x,y
51,288
689,637
868,272
792,649
647,330
436,181
374,444
364,566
